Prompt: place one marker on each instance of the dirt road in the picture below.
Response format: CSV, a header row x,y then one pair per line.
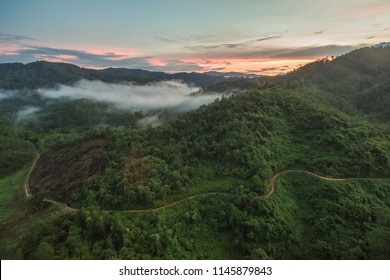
x,y
27,180
276,176
272,189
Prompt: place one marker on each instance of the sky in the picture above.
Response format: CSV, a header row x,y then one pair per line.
x,y
250,36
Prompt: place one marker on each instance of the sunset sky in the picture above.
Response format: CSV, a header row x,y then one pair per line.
x,y
252,36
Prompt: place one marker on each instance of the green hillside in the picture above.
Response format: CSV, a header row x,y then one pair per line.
x,y
233,146
357,82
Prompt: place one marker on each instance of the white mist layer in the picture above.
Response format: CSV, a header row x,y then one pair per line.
x,y
26,112
153,120
3,95
158,95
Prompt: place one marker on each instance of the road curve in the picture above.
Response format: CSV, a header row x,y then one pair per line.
x,y
276,176
62,205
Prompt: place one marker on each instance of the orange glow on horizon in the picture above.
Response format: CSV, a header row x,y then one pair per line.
x,y
63,58
262,66
254,65
156,62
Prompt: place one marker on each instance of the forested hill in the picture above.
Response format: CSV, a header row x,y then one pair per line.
x,y
248,136
48,74
365,67
233,146
357,82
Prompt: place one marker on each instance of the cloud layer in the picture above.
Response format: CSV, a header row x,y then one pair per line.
x,y
172,95
14,38
26,111
237,56
3,95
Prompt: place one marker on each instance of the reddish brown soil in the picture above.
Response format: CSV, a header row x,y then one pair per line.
x,y
58,172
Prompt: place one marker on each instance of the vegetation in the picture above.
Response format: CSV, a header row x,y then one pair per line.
x,y
11,194
348,222
16,147
211,168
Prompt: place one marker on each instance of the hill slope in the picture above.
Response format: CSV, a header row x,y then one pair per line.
x,y
357,82
233,146
250,137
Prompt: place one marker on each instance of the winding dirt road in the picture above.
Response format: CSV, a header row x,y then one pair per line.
x,y
62,205
276,176
271,190
27,190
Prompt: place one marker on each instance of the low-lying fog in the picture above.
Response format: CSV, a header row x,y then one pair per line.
x,y
173,95
26,111
154,100
3,95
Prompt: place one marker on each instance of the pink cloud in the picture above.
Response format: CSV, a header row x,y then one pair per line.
x,y
156,62
11,49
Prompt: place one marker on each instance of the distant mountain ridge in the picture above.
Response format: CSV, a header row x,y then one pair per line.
x,y
382,45
48,74
231,74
